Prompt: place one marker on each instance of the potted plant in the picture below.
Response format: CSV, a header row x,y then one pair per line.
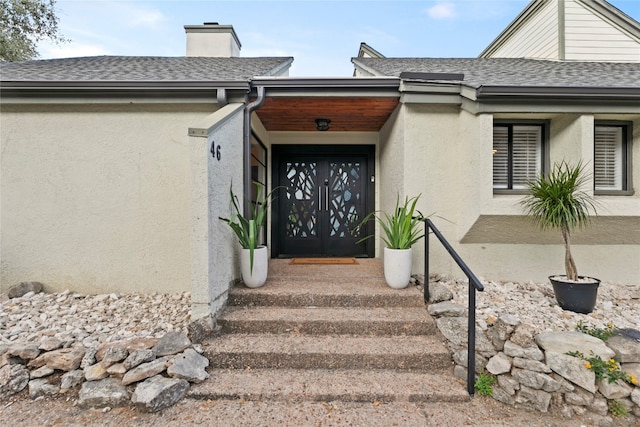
x,y
253,257
401,230
557,202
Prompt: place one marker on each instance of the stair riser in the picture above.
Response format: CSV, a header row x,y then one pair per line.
x,y
330,397
310,300
349,327
424,362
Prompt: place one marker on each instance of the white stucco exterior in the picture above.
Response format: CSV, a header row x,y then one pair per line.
x,y
96,198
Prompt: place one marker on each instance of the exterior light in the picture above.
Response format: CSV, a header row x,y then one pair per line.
x,y
322,124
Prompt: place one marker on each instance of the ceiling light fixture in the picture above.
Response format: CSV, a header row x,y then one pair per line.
x,y
322,124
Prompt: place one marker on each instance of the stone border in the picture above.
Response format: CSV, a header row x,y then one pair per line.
x,y
534,371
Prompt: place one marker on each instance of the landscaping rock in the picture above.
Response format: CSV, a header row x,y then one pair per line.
x,y
130,345
627,349
536,399
535,380
23,288
446,309
599,406
158,392
138,357
13,379
117,370
189,366
567,341
461,358
439,292
65,359
635,396
114,355
455,330
572,369
200,329
95,372
531,365
499,364
579,397
24,352
172,343
50,343
71,379
146,370
41,372
108,392
504,396
614,390
41,387
89,357
523,336
508,384
512,349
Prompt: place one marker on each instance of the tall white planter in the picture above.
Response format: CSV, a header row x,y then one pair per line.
x,y
397,267
257,277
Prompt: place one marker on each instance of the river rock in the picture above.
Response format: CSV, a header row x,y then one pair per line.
x,y
158,392
626,349
572,369
13,379
567,341
172,343
189,366
108,392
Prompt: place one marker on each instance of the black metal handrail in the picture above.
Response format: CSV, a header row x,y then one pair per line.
x,y
473,280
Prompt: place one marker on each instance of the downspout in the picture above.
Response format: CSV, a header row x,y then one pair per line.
x,y
247,149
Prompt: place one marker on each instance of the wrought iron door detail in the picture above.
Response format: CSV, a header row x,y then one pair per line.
x,y
302,180
345,198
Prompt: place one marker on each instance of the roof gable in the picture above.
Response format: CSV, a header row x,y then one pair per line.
x,y
585,30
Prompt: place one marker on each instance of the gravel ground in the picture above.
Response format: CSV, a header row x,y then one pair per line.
x,y
480,411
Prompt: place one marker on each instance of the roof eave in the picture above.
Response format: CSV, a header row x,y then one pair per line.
x,y
627,93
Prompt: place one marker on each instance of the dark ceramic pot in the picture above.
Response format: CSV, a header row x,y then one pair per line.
x,y
577,297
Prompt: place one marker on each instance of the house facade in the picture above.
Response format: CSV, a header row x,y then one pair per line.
x,y
116,169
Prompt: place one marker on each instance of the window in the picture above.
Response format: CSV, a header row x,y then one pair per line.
x,y
258,173
611,153
518,153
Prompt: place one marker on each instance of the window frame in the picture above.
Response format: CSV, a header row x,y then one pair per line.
x,y
263,164
544,149
626,173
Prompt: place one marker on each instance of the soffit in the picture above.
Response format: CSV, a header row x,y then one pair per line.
x,y
347,114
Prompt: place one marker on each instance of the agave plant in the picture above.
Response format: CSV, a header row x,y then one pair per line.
x,y
248,230
402,227
556,202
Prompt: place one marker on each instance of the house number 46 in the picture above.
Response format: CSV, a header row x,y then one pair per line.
x,y
215,151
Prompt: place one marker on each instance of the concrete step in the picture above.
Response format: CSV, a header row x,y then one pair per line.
x,y
291,350
300,291
328,321
321,385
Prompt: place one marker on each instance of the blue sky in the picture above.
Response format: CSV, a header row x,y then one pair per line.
x,y
322,36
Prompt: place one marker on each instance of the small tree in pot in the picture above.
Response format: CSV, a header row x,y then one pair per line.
x,y
557,202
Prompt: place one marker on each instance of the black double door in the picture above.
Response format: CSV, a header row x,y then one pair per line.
x,y
325,191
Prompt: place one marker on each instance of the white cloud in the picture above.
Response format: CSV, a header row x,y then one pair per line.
x,y
442,11
70,50
146,18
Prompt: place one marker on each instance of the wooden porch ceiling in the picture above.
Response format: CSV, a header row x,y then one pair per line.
x,y
298,114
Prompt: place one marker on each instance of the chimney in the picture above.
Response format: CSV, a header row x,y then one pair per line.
x,y
213,40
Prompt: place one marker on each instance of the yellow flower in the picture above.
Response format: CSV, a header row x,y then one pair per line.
x,y
587,365
613,361
633,379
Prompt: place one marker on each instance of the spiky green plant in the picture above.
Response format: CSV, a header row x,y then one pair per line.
x,y
555,201
248,229
402,227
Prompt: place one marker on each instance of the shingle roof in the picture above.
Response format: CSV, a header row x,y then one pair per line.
x,y
142,68
514,72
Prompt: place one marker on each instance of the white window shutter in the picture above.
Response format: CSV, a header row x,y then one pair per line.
x,y
527,143
500,157
608,158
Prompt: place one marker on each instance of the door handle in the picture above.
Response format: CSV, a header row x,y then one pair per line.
x,y
326,195
319,199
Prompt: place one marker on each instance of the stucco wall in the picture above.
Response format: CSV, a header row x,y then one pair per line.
x,y
447,158
95,198
215,261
